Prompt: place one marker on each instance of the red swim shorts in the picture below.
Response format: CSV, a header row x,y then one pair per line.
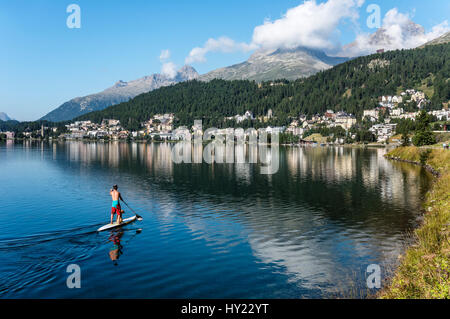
x,y
116,210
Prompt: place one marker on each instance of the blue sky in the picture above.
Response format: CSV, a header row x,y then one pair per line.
x,y
44,63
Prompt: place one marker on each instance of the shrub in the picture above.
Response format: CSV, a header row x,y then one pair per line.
x,y
424,156
405,139
422,138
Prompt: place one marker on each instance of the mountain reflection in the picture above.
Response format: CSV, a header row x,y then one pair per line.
x,y
327,212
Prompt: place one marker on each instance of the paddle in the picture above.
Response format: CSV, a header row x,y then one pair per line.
x,y
138,216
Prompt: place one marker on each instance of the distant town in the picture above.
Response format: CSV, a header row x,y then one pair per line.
x,y
161,127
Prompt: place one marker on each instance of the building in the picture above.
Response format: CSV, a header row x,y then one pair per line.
x,y
397,99
346,121
418,96
383,131
248,115
109,122
330,115
441,115
295,130
397,112
165,125
372,115
272,130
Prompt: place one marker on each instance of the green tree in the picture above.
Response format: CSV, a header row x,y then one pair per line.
x,y
405,139
424,135
365,136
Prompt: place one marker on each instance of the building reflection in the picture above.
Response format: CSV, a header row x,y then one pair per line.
x,y
330,165
325,205
340,164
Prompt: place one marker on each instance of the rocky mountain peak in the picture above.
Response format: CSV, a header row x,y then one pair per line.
x,y
273,64
120,83
120,92
4,117
382,37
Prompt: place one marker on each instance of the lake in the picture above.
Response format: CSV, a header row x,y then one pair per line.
x,y
209,230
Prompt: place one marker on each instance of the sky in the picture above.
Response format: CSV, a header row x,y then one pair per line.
x,y
45,63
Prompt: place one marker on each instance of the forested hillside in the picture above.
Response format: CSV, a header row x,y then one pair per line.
x,y
20,127
352,87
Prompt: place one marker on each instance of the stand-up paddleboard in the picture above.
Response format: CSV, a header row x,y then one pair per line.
x,y
112,226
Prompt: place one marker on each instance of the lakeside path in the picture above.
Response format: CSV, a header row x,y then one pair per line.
x,y
424,270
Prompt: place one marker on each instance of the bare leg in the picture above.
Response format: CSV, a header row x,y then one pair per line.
x,y
112,218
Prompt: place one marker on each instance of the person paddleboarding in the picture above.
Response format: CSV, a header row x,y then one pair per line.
x,y
116,209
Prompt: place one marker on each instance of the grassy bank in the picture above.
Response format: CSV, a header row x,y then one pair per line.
x,y
424,270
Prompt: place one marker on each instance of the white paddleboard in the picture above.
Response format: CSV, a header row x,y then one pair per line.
x,y
112,226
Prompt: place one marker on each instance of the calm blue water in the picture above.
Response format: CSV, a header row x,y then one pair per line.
x,y
209,231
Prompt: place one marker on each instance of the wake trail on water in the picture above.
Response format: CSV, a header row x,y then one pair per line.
x,y
36,239
34,260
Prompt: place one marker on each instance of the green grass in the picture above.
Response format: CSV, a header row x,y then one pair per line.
x,y
442,138
439,159
316,137
424,271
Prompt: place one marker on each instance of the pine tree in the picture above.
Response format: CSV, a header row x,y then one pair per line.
x,y
424,135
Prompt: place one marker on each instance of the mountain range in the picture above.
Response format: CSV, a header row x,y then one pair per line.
x,y
120,92
383,39
442,39
4,117
352,86
267,65
263,65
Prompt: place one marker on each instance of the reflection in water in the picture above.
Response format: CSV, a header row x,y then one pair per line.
x,y
335,165
116,250
161,155
327,214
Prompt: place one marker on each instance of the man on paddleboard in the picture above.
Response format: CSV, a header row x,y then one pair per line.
x,y
116,209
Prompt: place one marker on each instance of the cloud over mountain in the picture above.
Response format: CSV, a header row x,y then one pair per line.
x,y
398,31
310,24
222,44
316,25
169,70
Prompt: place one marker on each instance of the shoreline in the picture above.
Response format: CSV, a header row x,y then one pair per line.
x,y
426,166
371,145
423,272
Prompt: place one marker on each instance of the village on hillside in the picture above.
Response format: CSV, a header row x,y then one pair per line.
x,y
161,127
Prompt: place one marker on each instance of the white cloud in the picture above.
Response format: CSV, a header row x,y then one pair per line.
x,y
222,44
169,69
310,24
397,32
165,55
315,25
